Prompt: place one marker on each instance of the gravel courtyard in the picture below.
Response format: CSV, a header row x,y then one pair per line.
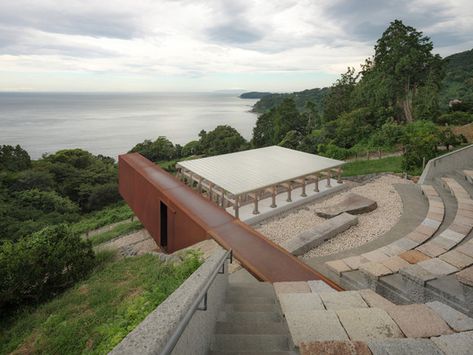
x,y
370,226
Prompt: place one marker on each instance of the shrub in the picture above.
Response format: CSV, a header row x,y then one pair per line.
x,y
42,265
333,151
455,118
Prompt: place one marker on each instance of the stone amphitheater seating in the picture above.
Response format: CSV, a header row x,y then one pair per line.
x,y
321,320
433,262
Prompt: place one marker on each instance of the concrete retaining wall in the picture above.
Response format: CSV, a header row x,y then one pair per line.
x,y
150,336
449,162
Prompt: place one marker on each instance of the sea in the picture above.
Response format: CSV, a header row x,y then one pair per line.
x,y
112,123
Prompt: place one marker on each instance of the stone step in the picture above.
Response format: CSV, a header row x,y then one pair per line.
x,y
251,307
269,292
241,298
249,317
246,343
252,353
252,285
251,327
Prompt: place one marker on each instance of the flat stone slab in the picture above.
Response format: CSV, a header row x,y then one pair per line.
x,y
328,229
368,323
466,276
414,256
338,266
403,347
418,321
317,286
457,259
417,274
455,344
375,255
438,267
466,248
342,300
375,270
291,287
300,302
374,300
354,262
395,263
335,348
431,249
405,243
311,326
456,320
352,203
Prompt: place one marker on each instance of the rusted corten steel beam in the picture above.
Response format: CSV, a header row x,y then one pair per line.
x,y
192,218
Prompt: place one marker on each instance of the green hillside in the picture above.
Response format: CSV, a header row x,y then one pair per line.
x,y
458,81
270,101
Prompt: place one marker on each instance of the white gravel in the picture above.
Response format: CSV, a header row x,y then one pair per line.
x,y
370,226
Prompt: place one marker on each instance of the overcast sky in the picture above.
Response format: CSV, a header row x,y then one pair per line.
x,y
197,45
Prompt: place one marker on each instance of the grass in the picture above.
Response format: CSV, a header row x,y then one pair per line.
x,y
99,312
363,167
108,215
121,229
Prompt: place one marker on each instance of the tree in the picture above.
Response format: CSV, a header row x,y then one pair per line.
x,y
339,98
420,140
403,57
14,158
292,140
161,149
223,139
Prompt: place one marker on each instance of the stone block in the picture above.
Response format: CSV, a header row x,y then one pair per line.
x,y
417,274
317,286
413,256
291,287
457,259
338,266
300,302
431,249
418,237
403,347
466,248
375,255
444,242
342,300
458,321
374,300
375,270
335,348
418,321
351,203
459,228
437,267
466,276
391,250
455,344
395,263
431,223
354,262
425,229
452,235
368,323
311,326
406,243
305,241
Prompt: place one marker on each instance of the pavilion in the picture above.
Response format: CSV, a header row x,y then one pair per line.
x,y
241,178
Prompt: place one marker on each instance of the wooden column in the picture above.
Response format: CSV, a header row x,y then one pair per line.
x,y
255,210
191,181
210,191
303,194
273,197
199,186
289,189
329,176
339,179
316,187
236,207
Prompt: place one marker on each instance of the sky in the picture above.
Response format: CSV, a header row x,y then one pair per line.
x,y
197,45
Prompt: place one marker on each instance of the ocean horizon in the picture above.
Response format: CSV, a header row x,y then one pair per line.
x,y
112,123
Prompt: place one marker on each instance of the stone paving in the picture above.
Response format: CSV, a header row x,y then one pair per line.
x,y
322,321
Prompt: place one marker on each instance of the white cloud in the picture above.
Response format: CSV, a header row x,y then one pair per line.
x,y
188,39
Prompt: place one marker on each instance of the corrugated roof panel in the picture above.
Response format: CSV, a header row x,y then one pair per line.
x,y
254,169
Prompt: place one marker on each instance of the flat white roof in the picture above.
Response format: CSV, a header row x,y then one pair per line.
x,y
255,169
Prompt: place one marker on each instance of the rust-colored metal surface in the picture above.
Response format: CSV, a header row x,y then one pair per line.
x,y
192,218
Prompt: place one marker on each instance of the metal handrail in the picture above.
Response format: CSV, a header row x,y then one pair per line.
x,y
174,338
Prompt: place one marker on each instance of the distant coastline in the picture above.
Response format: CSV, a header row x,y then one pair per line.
x,y
254,95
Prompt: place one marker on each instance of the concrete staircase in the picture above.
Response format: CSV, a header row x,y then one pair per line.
x,y
251,322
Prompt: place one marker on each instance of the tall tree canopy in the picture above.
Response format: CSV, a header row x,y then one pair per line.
x,y
403,62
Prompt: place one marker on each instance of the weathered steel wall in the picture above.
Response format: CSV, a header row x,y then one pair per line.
x,y
193,218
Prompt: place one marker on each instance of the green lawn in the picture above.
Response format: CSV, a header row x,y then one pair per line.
x,y
97,313
363,167
121,229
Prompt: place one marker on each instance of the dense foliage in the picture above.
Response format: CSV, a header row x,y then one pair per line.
x,y
41,265
300,98
458,81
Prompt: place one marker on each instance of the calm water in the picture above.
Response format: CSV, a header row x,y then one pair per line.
x,y
112,124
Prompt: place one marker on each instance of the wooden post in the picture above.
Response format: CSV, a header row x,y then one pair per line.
x,y
339,172
316,188
255,210
199,186
289,188
223,199
236,206
210,191
379,153
329,176
191,181
303,194
367,155
273,197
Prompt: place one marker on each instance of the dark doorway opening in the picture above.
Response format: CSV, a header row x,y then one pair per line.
x,y
164,224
